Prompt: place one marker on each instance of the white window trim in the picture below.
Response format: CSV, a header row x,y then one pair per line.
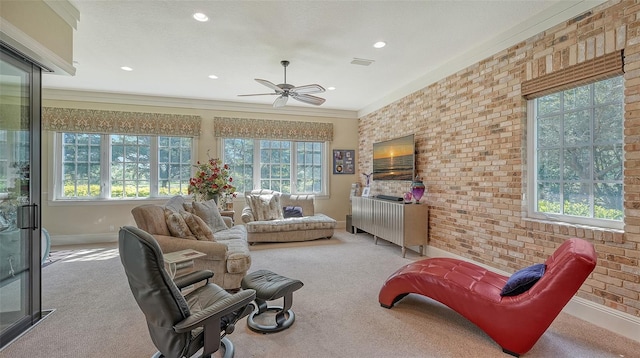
x,y
256,170
56,182
530,196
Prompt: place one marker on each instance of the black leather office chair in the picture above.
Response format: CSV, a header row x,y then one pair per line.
x,y
179,325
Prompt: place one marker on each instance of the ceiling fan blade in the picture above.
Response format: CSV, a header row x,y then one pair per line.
x,y
307,98
257,94
270,85
280,101
313,88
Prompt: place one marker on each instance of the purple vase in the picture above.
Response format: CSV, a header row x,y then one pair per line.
x,y
417,189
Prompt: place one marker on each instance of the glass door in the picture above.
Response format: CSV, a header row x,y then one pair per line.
x,y
20,301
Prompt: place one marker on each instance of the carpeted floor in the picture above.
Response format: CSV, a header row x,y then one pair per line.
x,y
55,256
337,313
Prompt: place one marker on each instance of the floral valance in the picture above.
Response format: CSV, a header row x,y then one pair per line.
x,y
138,123
272,129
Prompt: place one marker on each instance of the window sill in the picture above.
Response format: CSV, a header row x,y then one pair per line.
x,y
92,202
575,230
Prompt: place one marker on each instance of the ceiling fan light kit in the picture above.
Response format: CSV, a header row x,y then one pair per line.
x,y
285,90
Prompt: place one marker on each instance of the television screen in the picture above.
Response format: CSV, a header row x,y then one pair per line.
x,y
394,159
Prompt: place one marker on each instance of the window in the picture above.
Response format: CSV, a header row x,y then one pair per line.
x,y
575,154
285,166
122,166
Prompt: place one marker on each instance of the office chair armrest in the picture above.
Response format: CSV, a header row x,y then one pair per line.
x,y
192,277
221,308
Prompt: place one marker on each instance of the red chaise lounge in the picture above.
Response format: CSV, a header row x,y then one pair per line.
x,y
514,322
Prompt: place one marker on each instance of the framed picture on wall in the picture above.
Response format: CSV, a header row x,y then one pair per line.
x,y
344,161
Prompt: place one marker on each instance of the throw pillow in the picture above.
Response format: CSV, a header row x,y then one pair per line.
x,y
188,207
175,204
177,226
209,212
266,207
198,227
523,280
292,212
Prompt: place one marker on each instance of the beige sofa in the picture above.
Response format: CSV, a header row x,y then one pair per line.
x,y
228,256
277,228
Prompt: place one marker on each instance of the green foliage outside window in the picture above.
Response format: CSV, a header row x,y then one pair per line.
x,y
131,162
130,191
580,209
579,151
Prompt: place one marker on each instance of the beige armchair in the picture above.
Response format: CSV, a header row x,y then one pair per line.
x,y
228,256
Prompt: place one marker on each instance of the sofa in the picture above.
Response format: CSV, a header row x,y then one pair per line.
x,y
224,244
271,216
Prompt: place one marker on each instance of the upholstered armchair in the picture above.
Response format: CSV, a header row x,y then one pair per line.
x,y
227,255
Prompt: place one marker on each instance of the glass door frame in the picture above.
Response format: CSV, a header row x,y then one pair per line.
x,y
32,234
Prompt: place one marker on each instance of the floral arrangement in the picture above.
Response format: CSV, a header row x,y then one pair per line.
x,y
212,179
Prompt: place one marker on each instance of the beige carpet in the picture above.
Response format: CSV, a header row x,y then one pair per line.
x,y
337,312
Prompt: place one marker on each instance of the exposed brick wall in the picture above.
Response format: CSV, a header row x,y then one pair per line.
x,y
471,142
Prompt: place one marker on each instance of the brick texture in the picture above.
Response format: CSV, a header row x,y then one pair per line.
x,y
471,153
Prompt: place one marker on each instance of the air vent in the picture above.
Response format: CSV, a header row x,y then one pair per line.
x,y
361,61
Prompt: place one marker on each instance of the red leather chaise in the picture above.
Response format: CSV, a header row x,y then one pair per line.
x,y
514,322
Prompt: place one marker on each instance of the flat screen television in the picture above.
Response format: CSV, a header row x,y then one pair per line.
x,y
394,159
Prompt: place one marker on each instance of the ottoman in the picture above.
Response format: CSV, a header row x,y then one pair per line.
x,y
271,286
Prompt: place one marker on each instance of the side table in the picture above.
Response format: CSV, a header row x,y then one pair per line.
x,y
181,261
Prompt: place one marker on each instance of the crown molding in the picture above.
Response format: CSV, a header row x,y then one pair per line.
x,y
562,11
176,102
66,10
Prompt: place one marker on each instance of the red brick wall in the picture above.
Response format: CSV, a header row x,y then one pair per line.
x,y
471,141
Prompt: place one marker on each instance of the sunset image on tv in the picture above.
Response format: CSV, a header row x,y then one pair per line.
x,y
394,159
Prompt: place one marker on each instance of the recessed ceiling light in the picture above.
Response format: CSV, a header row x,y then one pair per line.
x,y
331,88
380,44
213,77
126,68
200,17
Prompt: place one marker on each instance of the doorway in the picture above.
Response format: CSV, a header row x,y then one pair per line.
x,y
20,232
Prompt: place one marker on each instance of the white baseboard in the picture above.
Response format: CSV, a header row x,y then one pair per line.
x,y
615,321
58,240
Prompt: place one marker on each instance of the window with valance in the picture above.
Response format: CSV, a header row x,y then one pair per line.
x,y
103,154
286,156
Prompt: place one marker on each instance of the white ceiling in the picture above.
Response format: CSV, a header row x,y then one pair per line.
x,y
172,54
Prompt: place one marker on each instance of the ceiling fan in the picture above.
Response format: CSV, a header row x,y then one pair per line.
x,y
285,90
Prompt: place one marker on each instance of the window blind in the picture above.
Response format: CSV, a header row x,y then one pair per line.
x,y
589,71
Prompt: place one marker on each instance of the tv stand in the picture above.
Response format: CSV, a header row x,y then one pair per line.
x,y
402,224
